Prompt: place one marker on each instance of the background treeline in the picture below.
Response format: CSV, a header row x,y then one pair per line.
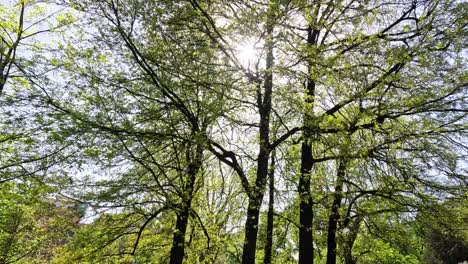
x,y
135,131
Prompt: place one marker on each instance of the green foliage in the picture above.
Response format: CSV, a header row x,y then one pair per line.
x,y
382,252
31,225
445,231
143,110
111,238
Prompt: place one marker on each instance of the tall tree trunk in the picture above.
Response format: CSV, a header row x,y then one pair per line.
x,y
256,193
349,241
271,201
178,241
251,230
334,216
306,214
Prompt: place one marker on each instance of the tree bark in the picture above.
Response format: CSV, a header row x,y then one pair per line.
x,y
256,193
306,214
271,201
178,241
349,241
251,230
334,216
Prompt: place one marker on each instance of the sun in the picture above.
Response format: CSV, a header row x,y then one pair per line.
x,y
247,53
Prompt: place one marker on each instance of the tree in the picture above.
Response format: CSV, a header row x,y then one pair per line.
x,y
357,107
154,118
34,222
23,25
446,240
345,95
9,44
337,59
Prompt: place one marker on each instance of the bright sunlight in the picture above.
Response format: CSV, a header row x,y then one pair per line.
x,y
247,53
